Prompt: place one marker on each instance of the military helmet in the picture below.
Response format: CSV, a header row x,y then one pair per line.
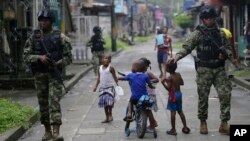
x,y
208,12
46,13
97,29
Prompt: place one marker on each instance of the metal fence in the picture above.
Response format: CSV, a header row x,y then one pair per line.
x,y
83,25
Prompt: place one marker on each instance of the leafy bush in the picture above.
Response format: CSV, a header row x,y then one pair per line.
x,y
119,43
183,20
13,114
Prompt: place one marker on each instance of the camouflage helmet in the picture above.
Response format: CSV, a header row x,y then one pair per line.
x,y
208,12
97,29
46,13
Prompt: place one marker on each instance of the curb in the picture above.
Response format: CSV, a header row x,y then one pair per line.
x,y
242,82
15,133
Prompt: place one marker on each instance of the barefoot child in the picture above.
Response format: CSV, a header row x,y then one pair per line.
x,y
172,84
151,92
107,79
153,79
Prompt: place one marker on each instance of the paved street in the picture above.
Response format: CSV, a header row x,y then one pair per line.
x,y
82,117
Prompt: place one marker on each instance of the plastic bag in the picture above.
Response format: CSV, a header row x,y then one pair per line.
x,y
119,90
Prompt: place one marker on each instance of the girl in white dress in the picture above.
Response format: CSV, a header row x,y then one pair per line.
x,y
107,79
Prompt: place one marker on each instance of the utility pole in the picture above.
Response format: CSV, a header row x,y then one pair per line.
x,y
131,22
113,27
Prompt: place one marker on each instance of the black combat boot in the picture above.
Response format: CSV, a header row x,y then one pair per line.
x,y
56,133
47,135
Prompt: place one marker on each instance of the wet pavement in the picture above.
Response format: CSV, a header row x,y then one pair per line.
x,y
82,117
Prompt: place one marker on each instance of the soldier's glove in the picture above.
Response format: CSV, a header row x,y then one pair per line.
x,y
44,59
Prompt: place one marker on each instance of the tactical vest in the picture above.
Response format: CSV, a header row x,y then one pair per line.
x,y
49,45
207,51
97,43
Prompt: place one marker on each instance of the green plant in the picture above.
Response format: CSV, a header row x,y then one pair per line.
x,y
13,114
183,20
241,73
142,39
119,43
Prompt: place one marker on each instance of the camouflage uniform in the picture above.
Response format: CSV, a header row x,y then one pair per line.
x,y
96,44
49,90
96,59
208,76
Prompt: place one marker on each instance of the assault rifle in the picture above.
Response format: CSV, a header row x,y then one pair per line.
x,y
222,49
52,62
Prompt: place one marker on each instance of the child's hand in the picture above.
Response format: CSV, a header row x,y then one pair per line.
x,y
94,90
164,80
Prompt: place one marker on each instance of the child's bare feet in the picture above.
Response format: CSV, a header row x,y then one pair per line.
x,y
105,121
172,132
185,130
111,118
127,118
153,126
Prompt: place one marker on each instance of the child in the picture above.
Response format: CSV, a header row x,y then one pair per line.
x,y
172,83
107,78
163,45
151,92
153,79
138,81
159,44
167,48
167,42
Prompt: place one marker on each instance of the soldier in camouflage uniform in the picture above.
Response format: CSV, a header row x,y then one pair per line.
x,y
47,47
96,43
210,61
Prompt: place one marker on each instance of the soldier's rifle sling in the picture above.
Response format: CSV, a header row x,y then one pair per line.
x,y
53,63
221,48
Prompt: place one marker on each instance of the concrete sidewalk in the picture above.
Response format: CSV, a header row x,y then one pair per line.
x,y
28,97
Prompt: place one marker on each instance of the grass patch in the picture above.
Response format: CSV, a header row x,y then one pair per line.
x,y
13,114
142,39
177,44
242,73
119,43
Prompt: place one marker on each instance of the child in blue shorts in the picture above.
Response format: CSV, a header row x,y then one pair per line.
x,y
172,84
